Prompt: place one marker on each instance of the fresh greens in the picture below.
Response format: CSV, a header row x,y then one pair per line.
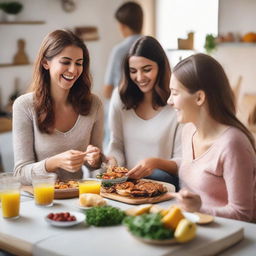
x,y
148,226
104,216
99,175
106,184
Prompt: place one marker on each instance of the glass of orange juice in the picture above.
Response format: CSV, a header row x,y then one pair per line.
x,y
43,187
10,195
89,186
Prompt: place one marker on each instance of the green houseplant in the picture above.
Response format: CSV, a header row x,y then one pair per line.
x,y
12,7
210,43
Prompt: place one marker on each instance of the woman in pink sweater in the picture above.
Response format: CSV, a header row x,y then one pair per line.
x,y
218,167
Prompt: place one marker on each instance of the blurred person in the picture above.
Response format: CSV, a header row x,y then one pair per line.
x,y
58,126
143,127
218,167
129,17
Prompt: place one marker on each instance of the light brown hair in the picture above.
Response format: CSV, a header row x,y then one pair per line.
x,y
202,72
79,95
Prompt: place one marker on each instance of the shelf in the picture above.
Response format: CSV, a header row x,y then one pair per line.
x,y
22,22
237,44
6,65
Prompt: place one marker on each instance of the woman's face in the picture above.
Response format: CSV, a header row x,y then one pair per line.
x,y
66,67
182,101
143,72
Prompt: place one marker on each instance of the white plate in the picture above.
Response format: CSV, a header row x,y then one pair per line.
x,y
82,207
85,207
191,216
115,181
80,217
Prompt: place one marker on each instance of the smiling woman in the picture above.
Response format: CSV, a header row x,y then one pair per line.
x,y
142,125
60,120
218,167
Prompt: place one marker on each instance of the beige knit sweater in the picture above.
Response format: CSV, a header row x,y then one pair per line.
x,y
32,148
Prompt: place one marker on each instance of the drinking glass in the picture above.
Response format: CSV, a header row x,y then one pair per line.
x,y
43,187
89,186
10,195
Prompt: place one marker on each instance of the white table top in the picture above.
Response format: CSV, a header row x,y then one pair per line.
x,y
43,239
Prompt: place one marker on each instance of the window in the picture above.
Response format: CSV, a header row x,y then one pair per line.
x,y
176,18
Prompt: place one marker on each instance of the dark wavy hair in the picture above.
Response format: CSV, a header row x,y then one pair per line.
x,y
131,96
80,96
202,72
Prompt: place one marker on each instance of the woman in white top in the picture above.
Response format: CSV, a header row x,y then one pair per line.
x,y
142,126
55,125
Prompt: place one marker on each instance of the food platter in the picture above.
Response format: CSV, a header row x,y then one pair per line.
x,y
114,181
66,193
142,200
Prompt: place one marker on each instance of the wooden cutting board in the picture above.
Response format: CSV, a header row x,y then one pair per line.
x,y
142,200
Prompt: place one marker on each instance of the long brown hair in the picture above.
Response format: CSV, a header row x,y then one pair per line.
x,y
202,72
147,47
79,95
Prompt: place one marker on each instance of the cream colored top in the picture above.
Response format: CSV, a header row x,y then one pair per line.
x,y
133,139
32,147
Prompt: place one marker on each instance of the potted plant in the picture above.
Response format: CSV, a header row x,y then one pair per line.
x,y
11,9
210,43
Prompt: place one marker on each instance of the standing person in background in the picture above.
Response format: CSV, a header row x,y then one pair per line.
x,y
130,20
218,167
143,127
58,126
129,17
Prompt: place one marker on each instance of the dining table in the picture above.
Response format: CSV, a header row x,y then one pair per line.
x,y
31,234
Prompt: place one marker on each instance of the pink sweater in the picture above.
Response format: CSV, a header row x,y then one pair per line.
x,y
224,176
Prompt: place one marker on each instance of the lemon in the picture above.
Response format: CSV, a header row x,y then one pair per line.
x,y
185,231
138,210
172,218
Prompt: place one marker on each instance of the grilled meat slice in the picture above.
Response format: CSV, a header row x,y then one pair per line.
x,y
110,189
147,189
125,188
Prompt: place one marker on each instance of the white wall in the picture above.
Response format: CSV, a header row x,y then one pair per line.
x,y
238,17
88,13
176,18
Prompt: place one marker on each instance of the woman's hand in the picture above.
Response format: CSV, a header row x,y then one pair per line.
x,y
143,168
93,156
71,161
188,201
111,161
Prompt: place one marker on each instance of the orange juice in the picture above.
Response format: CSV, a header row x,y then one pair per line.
x,y
44,194
89,186
10,204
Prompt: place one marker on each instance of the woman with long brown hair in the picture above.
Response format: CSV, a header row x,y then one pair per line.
x,y
142,125
56,124
218,167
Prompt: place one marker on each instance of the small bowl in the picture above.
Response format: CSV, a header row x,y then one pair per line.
x,y
80,217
